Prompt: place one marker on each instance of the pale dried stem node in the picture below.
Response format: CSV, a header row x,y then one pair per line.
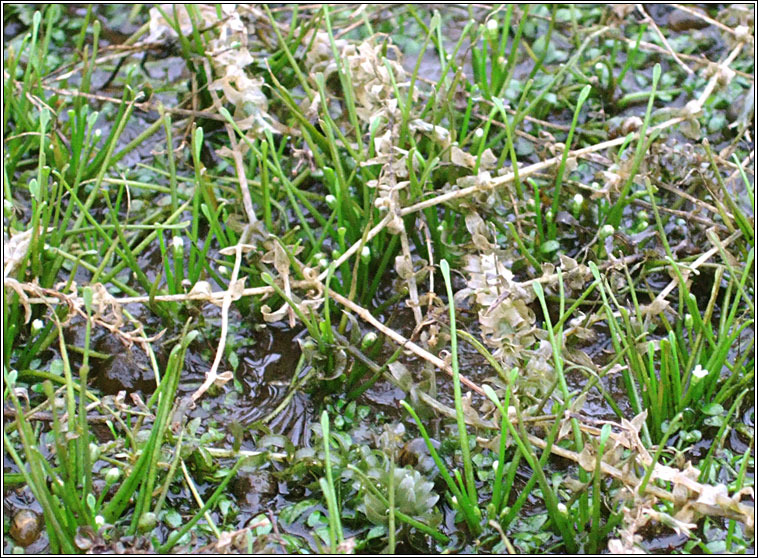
x,y
213,376
412,287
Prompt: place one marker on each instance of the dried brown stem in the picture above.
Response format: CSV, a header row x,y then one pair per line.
x,y
654,25
400,340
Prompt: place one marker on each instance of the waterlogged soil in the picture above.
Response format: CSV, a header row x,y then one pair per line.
x,y
266,368
268,356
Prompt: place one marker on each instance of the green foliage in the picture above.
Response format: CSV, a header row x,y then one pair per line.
x,y
301,166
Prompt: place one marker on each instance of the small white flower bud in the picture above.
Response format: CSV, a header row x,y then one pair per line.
x,y
112,476
94,452
688,321
368,340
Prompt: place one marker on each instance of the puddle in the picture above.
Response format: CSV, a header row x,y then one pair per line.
x,y
268,354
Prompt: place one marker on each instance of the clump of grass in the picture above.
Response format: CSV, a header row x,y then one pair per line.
x,y
342,173
68,499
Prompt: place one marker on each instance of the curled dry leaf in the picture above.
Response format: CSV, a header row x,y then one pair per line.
x,y
229,54
223,378
575,275
202,291
15,250
539,371
161,30
479,233
106,307
305,306
319,57
578,329
250,103
470,414
369,72
272,316
10,283
439,134
611,184
507,323
404,267
691,499
402,375
462,159
394,159
622,10
655,308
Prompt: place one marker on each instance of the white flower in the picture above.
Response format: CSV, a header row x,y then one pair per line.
x,y
606,231
699,372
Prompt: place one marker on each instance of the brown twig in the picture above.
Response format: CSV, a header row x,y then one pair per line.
x,y
705,18
654,25
400,340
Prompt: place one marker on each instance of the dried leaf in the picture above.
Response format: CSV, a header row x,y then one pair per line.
x,y
404,267
275,315
470,414
586,458
402,375
488,160
462,159
479,233
655,308
15,250
201,290
223,378
615,546
237,288
9,282
622,10
690,129
439,134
